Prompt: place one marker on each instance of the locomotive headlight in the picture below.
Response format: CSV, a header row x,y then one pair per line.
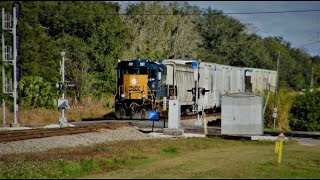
x,y
122,95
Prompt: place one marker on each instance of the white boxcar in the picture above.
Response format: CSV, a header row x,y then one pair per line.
x,y
217,78
260,79
207,81
220,80
237,80
272,78
181,76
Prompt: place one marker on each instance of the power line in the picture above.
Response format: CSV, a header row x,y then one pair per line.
x,y
274,12
166,14
309,43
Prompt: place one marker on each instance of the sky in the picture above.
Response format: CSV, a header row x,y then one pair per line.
x,y
298,28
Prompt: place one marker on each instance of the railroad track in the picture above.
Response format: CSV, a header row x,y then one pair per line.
x,y
195,116
16,135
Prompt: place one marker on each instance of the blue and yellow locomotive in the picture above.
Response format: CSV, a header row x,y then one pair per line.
x,y
138,88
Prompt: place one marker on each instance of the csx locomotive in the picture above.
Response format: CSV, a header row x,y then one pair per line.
x,y
138,88
144,85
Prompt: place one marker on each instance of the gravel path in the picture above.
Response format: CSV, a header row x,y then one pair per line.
x,y
43,144
124,133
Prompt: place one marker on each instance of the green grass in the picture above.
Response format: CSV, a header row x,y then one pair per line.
x,y
170,150
167,158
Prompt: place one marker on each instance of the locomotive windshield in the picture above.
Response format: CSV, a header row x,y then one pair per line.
x,y
140,70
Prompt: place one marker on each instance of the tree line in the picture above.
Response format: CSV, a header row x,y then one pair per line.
x,y
95,34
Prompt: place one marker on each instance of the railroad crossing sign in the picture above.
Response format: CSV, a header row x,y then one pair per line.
x,y
281,137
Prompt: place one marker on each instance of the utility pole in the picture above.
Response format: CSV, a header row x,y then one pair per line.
x,y
275,110
311,84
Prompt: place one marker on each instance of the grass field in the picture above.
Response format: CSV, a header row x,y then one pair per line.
x,y
168,158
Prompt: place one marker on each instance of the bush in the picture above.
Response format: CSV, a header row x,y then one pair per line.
x,y
35,92
305,112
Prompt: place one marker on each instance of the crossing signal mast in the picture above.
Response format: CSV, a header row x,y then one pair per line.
x,y
197,94
63,103
9,60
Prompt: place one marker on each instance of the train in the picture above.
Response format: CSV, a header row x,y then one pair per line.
x,y
145,85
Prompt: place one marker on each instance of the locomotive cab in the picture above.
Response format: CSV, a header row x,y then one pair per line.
x,y
138,87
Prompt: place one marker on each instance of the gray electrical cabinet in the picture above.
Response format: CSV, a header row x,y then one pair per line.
x,y
241,114
174,114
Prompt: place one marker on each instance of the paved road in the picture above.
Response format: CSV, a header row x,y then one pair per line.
x,y
308,141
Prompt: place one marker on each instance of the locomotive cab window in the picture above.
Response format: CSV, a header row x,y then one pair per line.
x,y
132,71
136,71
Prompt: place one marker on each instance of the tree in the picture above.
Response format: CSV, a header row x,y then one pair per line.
x,y
93,35
77,64
304,113
221,36
92,38
292,62
162,36
316,70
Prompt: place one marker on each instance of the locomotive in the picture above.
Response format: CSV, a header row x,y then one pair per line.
x,y
138,88
144,85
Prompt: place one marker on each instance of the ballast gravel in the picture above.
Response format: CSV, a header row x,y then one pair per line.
x,y
44,144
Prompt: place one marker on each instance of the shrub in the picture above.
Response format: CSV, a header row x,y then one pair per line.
x,y
305,112
36,92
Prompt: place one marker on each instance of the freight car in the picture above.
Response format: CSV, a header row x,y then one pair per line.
x,y
223,79
144,85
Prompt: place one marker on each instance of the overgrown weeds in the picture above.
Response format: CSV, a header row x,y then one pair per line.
x,y
284,103
88,108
